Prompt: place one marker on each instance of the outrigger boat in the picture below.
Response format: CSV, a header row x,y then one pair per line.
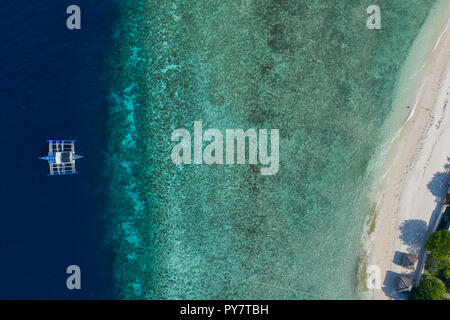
x,y
61,157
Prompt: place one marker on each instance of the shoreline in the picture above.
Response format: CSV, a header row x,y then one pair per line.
x,y
291,235
412,186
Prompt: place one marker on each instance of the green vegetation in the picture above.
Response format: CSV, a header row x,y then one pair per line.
x,y
373,218
363,273
430,288
439,244
446,272
437,268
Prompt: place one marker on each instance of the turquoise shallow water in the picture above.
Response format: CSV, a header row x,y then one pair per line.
x,y
309,68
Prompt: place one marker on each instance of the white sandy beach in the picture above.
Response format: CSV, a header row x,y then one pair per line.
x,y
413,189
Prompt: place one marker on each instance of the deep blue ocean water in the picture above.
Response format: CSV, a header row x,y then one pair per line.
x,y
53,85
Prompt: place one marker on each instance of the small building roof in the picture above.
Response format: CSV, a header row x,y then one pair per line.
x,y
409,261
405,284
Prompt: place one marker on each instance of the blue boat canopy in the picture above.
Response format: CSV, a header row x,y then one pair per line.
x,y
61,157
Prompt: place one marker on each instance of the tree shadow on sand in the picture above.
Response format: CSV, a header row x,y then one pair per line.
x,y
438,187
438,184
412,234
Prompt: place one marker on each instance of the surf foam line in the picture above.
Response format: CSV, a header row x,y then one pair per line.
x,y
438,41
419,95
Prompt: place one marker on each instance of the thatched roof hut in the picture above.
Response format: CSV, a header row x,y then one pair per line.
x,y
405,284
409,261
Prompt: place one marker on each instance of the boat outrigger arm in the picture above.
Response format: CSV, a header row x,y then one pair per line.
x,y
61,157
